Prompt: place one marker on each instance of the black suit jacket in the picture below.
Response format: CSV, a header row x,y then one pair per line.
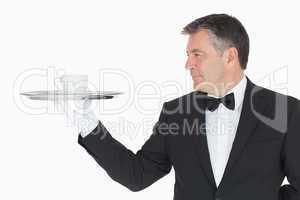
x,y
266,148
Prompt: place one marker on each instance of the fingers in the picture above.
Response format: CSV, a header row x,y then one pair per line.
x,y
87,124
87,103
59,106
78,114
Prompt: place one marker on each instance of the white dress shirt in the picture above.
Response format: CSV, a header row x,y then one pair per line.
x,y
221,125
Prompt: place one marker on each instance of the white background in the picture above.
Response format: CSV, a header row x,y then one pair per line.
x,y
40,157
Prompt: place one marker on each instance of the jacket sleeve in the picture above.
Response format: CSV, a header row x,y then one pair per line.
x,y
134,171
291,158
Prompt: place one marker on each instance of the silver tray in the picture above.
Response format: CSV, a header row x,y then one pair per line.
x,y
60,95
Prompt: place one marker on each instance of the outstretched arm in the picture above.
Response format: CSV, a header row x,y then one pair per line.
x,y
134,171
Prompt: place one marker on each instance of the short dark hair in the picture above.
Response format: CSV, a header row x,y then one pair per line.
x,y
227,32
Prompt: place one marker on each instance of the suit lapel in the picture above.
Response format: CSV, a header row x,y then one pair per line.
x,y
199,137
247,124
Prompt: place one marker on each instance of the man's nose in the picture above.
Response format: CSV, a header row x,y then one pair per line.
x,y
189,64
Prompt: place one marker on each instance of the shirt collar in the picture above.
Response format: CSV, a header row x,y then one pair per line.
x,y
238,91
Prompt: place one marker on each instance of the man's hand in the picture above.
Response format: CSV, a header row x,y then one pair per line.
x,y
80,115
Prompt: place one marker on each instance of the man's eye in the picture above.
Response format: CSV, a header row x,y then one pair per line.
x,y
197,55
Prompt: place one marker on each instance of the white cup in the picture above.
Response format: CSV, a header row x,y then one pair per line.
x,y
74,83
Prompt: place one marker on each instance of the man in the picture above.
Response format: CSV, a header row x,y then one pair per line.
x,y
229,139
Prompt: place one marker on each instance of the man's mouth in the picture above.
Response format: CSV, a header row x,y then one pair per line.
x,y
197,78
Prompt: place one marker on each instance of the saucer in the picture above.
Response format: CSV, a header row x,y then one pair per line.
x,y
52,95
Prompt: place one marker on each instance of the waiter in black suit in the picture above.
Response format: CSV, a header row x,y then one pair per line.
x,y
227,140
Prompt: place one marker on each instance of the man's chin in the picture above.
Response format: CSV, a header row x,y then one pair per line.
x,y
199,87
203,87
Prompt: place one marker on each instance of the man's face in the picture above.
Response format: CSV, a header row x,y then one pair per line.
x,y
205,64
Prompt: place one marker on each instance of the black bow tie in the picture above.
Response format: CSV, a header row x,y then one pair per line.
x,y
213,103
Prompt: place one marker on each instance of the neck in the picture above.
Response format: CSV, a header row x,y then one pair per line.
x,y
227,84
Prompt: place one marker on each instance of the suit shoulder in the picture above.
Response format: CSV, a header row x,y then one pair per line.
x,y
178,100
274,94
275,99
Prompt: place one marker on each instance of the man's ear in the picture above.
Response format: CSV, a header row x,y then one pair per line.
x,y
230,56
